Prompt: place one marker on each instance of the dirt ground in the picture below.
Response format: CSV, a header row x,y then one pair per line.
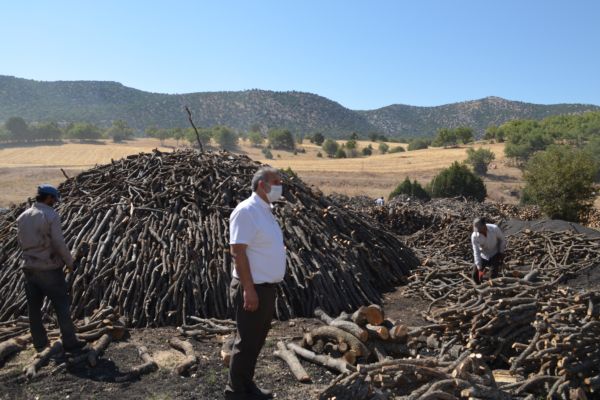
x,y
207,382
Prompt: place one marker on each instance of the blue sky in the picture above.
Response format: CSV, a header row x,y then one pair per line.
x,y
363,54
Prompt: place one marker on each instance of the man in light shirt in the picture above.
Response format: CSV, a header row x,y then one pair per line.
x,y
258,250
489,245
44,255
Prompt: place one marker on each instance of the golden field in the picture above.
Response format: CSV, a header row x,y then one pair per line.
x,y
22,168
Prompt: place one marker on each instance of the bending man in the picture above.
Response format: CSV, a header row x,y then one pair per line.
x,y
44,255
258,251
489,245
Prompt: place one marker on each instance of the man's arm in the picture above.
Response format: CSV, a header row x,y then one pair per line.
x,y
58,242
476,252
242,267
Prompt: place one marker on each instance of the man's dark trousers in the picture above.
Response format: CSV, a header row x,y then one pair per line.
x,y
252,330
51,284
494,264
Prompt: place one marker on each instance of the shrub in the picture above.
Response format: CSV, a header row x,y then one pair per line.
x,y
383,148
418,144
367,151
457,180
256,139
480,159
340,153
267,153
412,189
330,147
319,154
560,180
225,137
318,138
397,149
84,131
281,139
351,144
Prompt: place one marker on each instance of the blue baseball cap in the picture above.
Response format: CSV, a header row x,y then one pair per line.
x,y
49,190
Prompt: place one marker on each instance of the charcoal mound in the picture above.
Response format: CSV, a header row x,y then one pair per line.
x,y
151,236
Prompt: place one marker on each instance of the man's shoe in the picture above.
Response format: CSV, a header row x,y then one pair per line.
x,y
236,396
259,393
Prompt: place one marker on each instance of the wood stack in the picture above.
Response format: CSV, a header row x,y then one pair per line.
x,y
151,236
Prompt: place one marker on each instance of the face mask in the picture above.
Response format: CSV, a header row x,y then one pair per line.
x,y
275,193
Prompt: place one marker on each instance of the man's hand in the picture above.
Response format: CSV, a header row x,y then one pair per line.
x,y
250,299
481,274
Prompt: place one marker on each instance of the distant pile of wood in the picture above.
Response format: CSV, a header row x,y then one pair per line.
x,y
151,236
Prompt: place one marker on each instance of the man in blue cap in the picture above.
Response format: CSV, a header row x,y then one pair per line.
x,y
44,255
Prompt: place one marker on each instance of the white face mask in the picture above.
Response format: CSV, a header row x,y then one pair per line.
x,y
275,193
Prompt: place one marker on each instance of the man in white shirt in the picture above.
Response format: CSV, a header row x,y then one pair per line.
x,y
380,202
258,250
489,246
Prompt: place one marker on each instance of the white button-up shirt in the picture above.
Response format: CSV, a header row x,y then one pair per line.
x,y
488,246
252,223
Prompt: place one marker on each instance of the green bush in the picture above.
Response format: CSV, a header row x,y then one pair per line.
x,y
351,144
340,153
120,131
225,137
397,149
330,147
318,138
457,180
367,151
560,180
319,154
267,153
383,147
281,139
480,159
84,131
256,139
412,189
418,144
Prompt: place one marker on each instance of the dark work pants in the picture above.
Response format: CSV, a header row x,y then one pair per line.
x,y
252,330
51,284
494,264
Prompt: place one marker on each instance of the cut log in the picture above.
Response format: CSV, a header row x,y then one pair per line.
x,y
41,359
343,324
148,366
292,361
378,332
226,349
372,314
9,347
339,365
329,333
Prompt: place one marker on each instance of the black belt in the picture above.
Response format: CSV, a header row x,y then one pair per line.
x,y
267,284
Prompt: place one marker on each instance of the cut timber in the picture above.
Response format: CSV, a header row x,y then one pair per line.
x,y
9,347
344,325
339,365
190,355
378,332
98,348
372,314
504,376
41,359
398,332
333,333
147,367
292,361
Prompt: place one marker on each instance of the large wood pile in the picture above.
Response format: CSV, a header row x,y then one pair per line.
x,y
151,236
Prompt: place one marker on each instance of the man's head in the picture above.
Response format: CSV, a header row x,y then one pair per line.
x,y
267,184
479,225
47,194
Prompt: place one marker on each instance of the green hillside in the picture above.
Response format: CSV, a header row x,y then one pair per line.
x,y
103,102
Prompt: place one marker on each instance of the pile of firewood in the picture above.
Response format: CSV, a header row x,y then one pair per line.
x,y
151,237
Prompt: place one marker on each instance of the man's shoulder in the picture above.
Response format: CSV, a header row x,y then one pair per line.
x,y
244,206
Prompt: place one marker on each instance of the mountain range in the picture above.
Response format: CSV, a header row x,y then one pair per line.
x,y
102,102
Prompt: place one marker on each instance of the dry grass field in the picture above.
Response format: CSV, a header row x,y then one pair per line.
x,y
22,168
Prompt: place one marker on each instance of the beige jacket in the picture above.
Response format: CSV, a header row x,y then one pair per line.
x,y
41,239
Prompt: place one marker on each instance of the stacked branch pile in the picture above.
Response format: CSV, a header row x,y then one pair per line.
x,y
151,236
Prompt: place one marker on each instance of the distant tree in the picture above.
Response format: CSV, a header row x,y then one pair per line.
x,y
18,129
396,149
4,134
46,131
318,138
412,189
351,144
354,136
84,131
464,134
255,128
383,147
256,139
319,154
367,151
160,134
561,181
418,144
267,153
521,146
281,139
373,136
204,133
445,138
494,133
119,131
457,180
226,138
592,148
480,159
340,153
300,138
179,134
330,147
